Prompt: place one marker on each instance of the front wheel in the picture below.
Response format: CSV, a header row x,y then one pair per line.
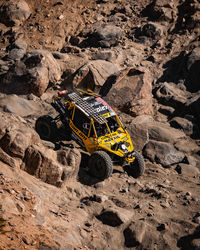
x,y
45,127
137,167
100,165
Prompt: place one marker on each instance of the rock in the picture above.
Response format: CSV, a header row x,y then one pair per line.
x,y
17,105
17,139
163,153
163,132
169,94
187,146
53,167
107,55
8,206
195,244
159,10
115,216
14,12
187,170
150,30
130,91
105,36
16,54
20,44
93,74
193,65
182,123
134,233
32,74
5,158
139,134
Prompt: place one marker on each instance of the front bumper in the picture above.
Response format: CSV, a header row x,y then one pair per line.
x,y
130,157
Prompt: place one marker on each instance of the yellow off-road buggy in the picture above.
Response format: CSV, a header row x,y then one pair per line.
x,y
94,125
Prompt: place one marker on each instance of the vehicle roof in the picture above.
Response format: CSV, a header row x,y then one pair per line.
x,y
93,106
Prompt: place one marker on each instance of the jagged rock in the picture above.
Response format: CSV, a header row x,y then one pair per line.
x,y
130,91
14,12
169,94
161,10
53,167
4,157
163,153
150,30
182,123
187,170
115,216
17,139
187,145
193,65
33,74
8,206
105,36
17,105
134,233
20,44
163,132
93,74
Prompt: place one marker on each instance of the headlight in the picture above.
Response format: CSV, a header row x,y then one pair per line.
x,y
123,147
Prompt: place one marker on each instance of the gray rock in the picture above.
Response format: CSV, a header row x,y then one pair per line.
x,y
150,30
163,132
108,35
187,170
14,12
163,153
182,123
16,54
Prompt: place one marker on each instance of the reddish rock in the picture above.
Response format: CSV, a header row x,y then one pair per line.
x,y
53,167
130,91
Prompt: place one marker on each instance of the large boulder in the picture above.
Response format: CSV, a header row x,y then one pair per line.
x,y
32,74
162,152
193,66
129,91
53,167
14,12
94,74
164,133
15,136
17,105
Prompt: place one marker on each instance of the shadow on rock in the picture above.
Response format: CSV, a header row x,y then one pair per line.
x,y
83,175
191,241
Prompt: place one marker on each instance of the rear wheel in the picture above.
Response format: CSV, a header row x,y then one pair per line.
x,y
137,167
46,127
100,165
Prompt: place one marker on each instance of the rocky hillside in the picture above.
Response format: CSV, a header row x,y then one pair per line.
x,y
143,57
